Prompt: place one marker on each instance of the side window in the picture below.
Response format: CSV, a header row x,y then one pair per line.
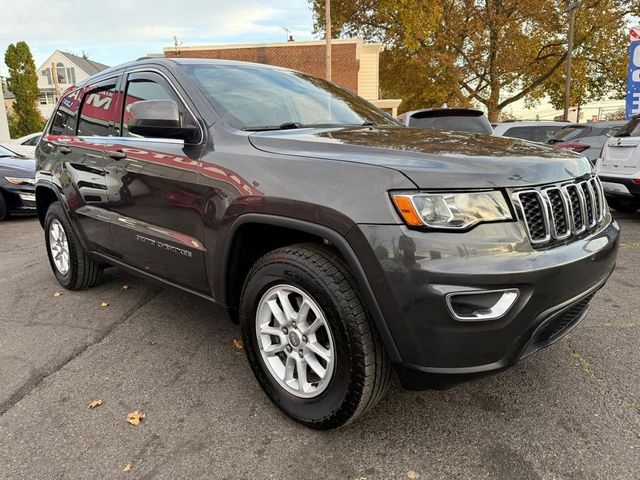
x,y
148,86
65,116
98,112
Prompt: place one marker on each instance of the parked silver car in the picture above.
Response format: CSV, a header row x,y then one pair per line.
x,y
586,138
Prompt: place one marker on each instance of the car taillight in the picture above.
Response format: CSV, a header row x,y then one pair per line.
x,y
575,146
636,181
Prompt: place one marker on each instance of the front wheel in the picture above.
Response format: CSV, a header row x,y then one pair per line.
x,y
308,338
71,264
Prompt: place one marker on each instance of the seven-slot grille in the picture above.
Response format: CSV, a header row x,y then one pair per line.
x,y
556,212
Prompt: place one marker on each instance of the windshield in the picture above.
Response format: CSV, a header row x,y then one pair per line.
x,y
569,133
454,123
255,98
5,152
631,129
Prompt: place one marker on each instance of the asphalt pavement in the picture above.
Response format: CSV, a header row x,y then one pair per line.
x,y
572,411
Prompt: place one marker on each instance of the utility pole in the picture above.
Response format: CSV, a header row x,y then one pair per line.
x,y
572,6
327,18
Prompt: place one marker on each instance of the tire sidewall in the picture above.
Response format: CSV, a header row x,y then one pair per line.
x,y
339,391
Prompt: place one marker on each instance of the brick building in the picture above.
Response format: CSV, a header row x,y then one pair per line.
x,y
354,63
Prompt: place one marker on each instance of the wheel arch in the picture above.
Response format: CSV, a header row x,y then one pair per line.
x,y
45,196
233,277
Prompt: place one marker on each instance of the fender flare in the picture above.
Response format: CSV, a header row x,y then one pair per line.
x,y
343,246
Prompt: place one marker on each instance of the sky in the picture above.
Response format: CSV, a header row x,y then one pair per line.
x,y
117,31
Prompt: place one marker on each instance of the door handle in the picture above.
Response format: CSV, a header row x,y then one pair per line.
x,y
64,150
117,155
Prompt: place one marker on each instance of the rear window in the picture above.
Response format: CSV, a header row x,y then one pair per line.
x,y
460,123
534,134
569,133
631,129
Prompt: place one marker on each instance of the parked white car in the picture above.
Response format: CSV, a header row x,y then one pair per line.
x,y
25,145
619,167
533,131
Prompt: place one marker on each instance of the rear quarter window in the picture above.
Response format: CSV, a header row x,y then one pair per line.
x,y
65,116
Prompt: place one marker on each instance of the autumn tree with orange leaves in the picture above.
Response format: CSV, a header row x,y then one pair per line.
x,y
489,52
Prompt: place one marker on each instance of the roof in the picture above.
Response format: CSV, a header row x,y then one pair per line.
x,y
89,66
171,61
304,43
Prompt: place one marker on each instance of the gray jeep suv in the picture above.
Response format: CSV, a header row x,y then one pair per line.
x,y
347,246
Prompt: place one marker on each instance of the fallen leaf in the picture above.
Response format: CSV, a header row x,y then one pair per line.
x,y
104,304
127,467
134,418
95,403
412,474
237,344
57,294
125,287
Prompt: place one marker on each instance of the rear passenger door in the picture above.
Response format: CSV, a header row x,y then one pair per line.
x,y
154,193
81,128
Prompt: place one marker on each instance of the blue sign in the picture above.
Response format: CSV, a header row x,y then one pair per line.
x,y
633,89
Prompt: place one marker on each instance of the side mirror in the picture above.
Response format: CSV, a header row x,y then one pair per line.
x,y
158,119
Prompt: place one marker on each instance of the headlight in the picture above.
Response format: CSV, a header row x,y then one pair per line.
x,y
452,210
21,181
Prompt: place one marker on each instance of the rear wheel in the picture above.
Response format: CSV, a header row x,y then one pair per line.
x,y
4,210
624,205
71,264
308,338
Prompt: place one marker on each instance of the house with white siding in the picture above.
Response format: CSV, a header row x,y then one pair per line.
x,y
59,72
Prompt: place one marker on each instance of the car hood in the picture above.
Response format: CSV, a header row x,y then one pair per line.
x,y
433,158
17,167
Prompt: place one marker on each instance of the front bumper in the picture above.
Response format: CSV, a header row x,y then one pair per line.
x,y
417,270
21,199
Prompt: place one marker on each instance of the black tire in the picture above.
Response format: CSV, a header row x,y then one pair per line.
x,y
624,205
4,209
362,370
83,271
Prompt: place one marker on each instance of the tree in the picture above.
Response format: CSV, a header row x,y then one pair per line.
x,y
489,52
23,83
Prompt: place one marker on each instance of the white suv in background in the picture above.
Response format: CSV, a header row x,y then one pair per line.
x,y
619,167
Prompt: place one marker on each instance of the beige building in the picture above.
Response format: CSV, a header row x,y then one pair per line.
x,y
355,64
59,72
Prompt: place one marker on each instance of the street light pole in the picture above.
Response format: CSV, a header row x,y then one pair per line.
x,y
327,19
572,6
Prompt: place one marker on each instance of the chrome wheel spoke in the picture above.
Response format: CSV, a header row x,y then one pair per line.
x,y
301,371
289,369
289,312
314,364
278,314
313,328
320,351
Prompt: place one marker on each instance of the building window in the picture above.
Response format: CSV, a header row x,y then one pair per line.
x,y
47,73
71,75
60,72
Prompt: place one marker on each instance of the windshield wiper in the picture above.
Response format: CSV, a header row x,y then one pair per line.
x,y
282,126
293,125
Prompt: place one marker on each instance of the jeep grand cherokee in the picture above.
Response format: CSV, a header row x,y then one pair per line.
x,y
346,245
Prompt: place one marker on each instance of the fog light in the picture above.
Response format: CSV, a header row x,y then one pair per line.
x,y
483,305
